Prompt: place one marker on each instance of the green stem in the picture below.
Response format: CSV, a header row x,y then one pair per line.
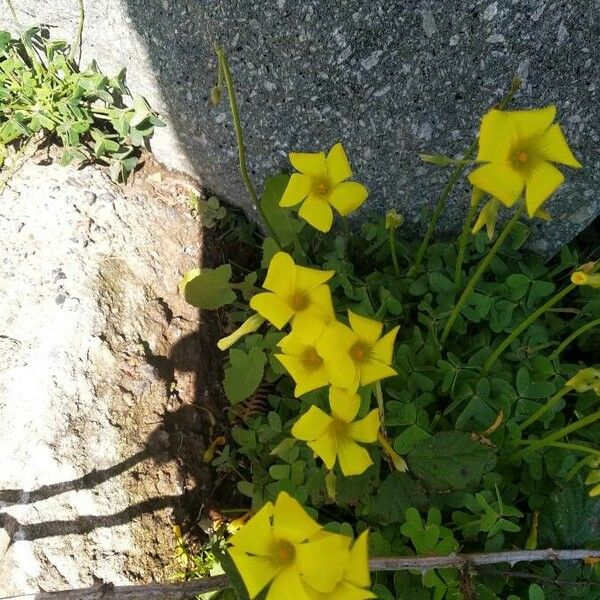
x,y
544,409
392,238
584,462
534,316
79,33
557,435
379,396
573,336
481,269
239,135
454,177
13,12
574,447
462,244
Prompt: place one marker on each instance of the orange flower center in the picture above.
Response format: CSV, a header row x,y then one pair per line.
x,y
321,187
283,552
339,429
522,157
299,301
359,352
311,360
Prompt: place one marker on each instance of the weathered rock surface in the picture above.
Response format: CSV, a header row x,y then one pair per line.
x,y
390,79
89,388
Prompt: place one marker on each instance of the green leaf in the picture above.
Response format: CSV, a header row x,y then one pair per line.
x,y
208,288
281,220
440,283
451,460
395,495
244,373
536,592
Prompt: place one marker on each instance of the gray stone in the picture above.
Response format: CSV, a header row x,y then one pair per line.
x,y
89,304
389,79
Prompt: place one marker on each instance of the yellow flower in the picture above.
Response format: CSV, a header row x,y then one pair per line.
x,y
301,359
294,293
356,575
586,380
360,355
336,436
321,184
487,217
519,148
282,546
582,278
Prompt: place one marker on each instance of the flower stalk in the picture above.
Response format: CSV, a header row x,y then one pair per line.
x,y
574,336
538,414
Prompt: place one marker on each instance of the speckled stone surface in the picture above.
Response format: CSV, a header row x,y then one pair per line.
x,y
389,79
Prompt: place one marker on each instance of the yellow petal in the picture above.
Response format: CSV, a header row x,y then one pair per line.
x,y
256,536
311,425
346,591
321,298
383,349
297,189
288,586
317,213
310,323
354,459
336,340
533,122
290,521
541,183
595,491
494,136
325,448
373,370
307,280
281,275
347,197
272,308
310,163
306,379
357,571
367,330
344,405
366,429
321,562
338,166
499,180
256,571
488,217
342,373
553,147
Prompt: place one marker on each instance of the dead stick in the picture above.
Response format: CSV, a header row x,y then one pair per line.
x,y
190,589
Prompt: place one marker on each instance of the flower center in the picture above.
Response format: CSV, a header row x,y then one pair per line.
x,y
311,360
339,429
283,552
523,157
299,301
359,352
321,187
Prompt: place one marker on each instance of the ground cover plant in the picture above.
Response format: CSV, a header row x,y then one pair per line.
x,y
410,399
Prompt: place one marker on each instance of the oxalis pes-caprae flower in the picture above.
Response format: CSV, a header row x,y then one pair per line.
x,y
322,332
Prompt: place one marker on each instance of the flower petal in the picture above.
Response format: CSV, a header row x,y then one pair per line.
x,y
341,372
307,280
383,349
297,189
553,147
256,535
272,308
255,571
311,425
373,370
321,562
317,213
338,166
357,571
533,122
344,405
288,586
541,183
354,459
336,340
347,197
310,323
281,275
346,591
313,164
321,299
500,181
367,330
290,521
366,429
325,448
306,379
495,136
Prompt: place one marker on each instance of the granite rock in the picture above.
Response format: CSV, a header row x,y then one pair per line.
x,y
389,79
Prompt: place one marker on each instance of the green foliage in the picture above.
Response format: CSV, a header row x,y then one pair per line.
x,y
94,117
209,212
208,288
244,373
